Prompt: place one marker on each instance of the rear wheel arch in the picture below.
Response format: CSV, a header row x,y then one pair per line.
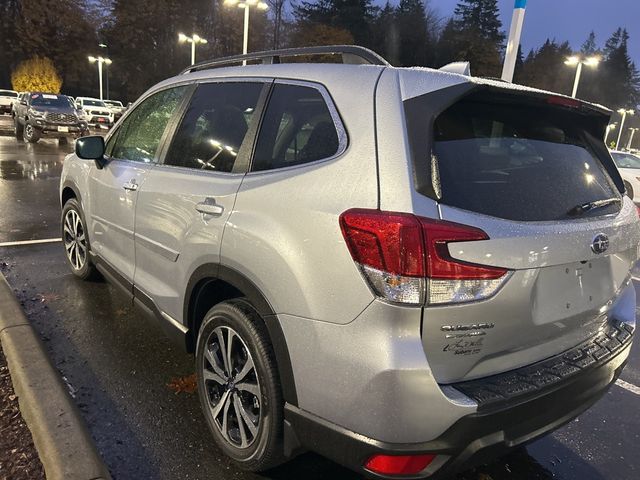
x,y
211,284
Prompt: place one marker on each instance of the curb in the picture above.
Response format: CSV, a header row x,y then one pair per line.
x,y
60,435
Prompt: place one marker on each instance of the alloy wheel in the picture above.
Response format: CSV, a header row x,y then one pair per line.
x,y
232,387
75,241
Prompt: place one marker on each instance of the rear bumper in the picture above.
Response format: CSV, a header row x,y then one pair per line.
x,y
499,425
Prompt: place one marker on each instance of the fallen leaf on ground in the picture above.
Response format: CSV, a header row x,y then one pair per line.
x,y
49,297
186,384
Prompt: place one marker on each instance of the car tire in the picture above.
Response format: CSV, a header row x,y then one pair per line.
x,y
254,395
31,134
63,141
18,129
75,240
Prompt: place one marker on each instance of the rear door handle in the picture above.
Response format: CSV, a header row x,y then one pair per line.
x,y
210,207
132,185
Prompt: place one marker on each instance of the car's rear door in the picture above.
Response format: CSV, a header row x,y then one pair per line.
x,y
185,201
536,178
131,153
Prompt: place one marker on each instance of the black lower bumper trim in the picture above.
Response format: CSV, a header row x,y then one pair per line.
x,y
474,439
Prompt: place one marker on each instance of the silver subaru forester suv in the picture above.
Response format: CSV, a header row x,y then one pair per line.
x,y
406,270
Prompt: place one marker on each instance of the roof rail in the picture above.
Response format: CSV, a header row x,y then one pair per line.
x,y
351,54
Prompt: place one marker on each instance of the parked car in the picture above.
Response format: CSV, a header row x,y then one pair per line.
x,y
629,166
96,112
40,114
405,278
7,97
116,108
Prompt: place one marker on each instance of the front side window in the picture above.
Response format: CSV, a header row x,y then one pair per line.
x,y
626,160
214,126
139,135
297,128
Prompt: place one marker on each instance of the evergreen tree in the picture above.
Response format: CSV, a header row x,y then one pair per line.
x,y
355,16
589,47
474,35
620,84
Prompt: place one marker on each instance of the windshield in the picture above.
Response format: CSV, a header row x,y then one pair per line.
x,y
625,160
93,103
518,162
8,93
49,100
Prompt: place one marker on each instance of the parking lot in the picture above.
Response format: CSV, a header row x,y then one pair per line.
x,y
118,366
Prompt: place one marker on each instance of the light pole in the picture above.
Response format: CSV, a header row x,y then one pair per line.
x,y
611,126
100,61
246,4
106,69
624,112
193,40
633,132
579,61
517,20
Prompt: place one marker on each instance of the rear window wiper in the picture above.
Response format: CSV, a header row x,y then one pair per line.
x,y
589,206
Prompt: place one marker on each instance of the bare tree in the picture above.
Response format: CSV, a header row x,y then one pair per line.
x,y
277,7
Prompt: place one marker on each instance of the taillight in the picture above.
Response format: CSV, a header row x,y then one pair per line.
x,y
398,464
398,252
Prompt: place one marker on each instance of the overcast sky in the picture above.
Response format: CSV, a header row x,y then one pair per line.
x,y
569,20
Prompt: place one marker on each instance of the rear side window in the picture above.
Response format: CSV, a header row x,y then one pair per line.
x,y
626,160
517,162
214,126
297,128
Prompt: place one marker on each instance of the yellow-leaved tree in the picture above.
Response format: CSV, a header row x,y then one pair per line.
x,y
37,74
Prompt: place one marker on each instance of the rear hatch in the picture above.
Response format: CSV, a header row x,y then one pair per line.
x,y
533,174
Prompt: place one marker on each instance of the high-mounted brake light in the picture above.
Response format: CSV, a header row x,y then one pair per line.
x,y
405,258
563,101
398,464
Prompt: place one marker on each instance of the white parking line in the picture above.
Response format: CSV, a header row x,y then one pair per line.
x,y
628,386
30,242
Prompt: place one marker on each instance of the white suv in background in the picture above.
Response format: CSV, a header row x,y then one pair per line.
x,y
96,112
7,97
629,166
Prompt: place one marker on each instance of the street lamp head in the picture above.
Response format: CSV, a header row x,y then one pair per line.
x,y
203,41
195,37
263,6
92,59
251,2
591,61
102,45
624,111
182,37
230,2
573,60
108,61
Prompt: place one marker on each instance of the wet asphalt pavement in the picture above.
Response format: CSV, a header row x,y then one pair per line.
x,y
117,364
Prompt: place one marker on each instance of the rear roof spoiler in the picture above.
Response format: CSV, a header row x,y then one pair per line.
x,y
461,68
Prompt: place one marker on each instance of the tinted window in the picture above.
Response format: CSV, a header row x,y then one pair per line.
x,y
297,128
214,126
518,162
626,160
140,133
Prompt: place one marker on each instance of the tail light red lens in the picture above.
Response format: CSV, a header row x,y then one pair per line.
x,y
396,251
398,464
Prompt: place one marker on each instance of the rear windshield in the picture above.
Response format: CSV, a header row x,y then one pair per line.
x,y
518,163
626,160
49,100
8,93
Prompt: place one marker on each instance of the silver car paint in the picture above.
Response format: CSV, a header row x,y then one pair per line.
x,y
346,347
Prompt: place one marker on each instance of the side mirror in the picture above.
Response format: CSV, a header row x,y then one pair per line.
x,y
23,102
91,148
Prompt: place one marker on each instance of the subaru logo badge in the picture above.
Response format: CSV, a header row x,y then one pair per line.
x,y
600,243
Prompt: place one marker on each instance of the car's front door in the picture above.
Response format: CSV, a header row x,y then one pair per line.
x,y
131,153
185,201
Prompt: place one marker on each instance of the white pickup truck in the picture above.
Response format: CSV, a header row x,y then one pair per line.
x,y
7,97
